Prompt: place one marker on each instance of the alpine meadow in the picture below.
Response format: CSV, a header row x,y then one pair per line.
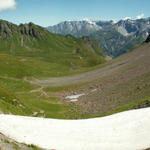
x,y
68,82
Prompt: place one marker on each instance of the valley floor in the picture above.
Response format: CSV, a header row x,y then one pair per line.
x,y
128,130
118,85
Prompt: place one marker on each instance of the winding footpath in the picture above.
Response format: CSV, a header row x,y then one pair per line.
x,y
128,130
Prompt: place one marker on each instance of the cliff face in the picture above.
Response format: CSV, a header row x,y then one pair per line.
x,y
148,39
8,29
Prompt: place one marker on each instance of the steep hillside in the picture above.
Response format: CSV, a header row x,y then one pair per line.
x,y
114,43
32,41
115,37
9,103
93,44
29,51
148,39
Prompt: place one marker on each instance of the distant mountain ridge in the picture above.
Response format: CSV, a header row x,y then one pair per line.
x,y
79,28
114,37
8,29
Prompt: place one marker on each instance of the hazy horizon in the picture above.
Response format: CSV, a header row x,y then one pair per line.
x,y
46,13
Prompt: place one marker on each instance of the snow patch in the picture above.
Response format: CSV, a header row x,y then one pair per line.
x,y
114,21
89,21
129,130
147,33
123,31
94,90
126,18
74,98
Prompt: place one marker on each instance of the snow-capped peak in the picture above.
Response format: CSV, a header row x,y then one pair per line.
x,y
89,21
126,18
114,21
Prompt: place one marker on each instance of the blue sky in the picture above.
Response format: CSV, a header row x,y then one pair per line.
x,y
50,12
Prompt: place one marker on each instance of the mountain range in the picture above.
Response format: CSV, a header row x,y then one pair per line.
x,y
115,37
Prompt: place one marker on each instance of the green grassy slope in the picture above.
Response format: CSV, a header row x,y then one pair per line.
x,y
58,54
30,51
9,103
16,97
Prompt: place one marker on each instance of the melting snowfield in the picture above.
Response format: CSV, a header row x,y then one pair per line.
x,y
129,130
74,98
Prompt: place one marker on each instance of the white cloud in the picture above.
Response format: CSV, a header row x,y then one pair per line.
x,y
140,16
126,18
7,4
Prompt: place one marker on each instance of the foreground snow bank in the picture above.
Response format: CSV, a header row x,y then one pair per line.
x,y
124,131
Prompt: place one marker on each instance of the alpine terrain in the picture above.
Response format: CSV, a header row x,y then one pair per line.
x,y
115,37
50,75
60,76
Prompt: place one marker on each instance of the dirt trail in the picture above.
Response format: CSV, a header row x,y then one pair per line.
x,y
111,67
43,93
